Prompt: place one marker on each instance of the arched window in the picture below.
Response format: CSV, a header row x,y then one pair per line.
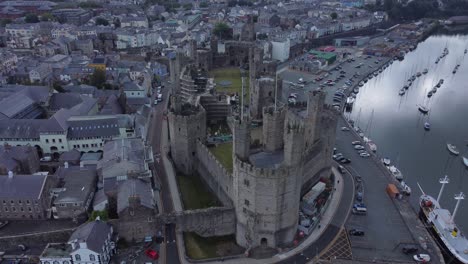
x,y
66,262
47,262
92,257
56,262
77,257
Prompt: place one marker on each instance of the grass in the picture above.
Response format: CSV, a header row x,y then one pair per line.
x,y
198,247
223,152
195,193
233,75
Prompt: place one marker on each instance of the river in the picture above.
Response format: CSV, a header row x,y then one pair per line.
x,y
394,123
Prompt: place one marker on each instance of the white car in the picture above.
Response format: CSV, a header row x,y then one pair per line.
x,y
364,155
422,258
345,129
358,147
155,101
356,142
46,158
293,95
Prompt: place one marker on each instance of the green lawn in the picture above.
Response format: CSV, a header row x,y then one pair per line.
x,y
223,152
233,75
198,247
195,194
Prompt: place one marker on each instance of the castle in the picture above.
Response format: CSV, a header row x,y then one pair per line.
x,y
293,149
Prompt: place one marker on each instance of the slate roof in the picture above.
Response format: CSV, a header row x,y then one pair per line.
x,y
95,127
134,188
94,234
79,182
9,158
22,186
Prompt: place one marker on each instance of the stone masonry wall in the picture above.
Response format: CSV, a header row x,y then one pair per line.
x,y
214,174
9,242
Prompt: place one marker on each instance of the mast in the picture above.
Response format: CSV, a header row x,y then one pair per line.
x,y
442,181
276,88
457,197
242,98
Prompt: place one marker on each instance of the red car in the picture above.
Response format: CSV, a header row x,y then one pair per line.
x,y
152,254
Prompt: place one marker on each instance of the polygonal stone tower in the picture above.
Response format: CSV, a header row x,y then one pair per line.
x,y
187,124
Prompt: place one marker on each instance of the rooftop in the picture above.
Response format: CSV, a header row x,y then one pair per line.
x,y
271,160
22,186
57,250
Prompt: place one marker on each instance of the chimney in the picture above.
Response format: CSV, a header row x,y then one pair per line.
x,y
65,164
10,175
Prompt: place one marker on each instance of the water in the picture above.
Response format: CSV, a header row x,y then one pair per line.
x,y
396,125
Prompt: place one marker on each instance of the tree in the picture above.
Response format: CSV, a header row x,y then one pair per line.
x,y
101,21
47,17
4,22
188,6
334,15
222,30
98,78
31,18
103,215
203,4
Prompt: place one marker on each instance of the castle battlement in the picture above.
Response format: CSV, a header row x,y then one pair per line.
x,y
206,152
273,173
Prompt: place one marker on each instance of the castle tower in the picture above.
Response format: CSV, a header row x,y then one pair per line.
x,y
187,124
262,94
294,138
273,128
315,103
242,139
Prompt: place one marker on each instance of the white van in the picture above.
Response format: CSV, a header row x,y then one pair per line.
x,y
360,210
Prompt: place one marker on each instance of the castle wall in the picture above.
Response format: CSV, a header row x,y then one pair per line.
x,y
214,174
267,204
184,131
262,94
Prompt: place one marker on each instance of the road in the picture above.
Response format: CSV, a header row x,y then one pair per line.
x,y
383,225
171,253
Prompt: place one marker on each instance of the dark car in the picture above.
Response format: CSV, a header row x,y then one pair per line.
x,y
409,249
345,161
356,232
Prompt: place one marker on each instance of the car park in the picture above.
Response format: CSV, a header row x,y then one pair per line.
x,y
356,232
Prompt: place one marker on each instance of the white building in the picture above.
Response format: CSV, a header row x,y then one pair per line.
x,y
22,30
280,49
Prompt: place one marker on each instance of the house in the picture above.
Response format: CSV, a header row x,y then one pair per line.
x,y
18,159
63,30
92,243
84,45
269,19
98,63
134,22
133,90
8,61
136,208
76,16
40,73
22,30
280,49
76,192
25,196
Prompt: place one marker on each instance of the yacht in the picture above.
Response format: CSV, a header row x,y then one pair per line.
x,y
425,71
427,126
396,172
372,146
402,92
386,161
406,87
441,224
434,90
453,149
429,94
418,74
465,161
423,109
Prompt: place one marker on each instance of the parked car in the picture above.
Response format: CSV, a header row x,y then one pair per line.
x,y
422,258
152,254
155,101
46,158
409,249
358,147
356,232
356,143
336,156
345,129
345,161
364,155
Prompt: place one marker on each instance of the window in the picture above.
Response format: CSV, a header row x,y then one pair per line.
x,y
47,262
246,182
92,257
53,140
56,262
13,209
46,141
5,209
60,140
77,257
246,202
27,201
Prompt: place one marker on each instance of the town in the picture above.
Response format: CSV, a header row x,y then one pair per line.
x,y
212,131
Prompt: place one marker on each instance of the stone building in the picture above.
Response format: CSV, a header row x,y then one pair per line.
x,y
18,159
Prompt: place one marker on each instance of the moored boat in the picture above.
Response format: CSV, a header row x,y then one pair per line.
x,y
425,71
386,161
452,149
465,161
429,94
396,172
423,109
402,92
427,126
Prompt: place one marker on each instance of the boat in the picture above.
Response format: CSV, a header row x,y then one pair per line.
x,y
418,74
386,161
425,71
434,90
442,226
429,94
465,161
372,146
406,189
465,51
441,81
402,92
427,126
396,172
453,149
406,87
423,109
